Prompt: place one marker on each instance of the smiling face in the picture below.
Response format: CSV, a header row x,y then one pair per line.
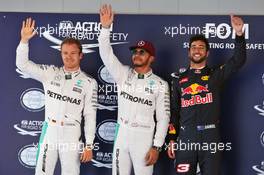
x,y
71,56
198,52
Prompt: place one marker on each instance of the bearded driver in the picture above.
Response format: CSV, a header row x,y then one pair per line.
x,y
195,101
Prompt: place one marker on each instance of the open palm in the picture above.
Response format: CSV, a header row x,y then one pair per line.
x,y
27,30
237,24
106,15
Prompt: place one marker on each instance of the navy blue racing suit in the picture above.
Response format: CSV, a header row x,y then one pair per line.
x,y
195,110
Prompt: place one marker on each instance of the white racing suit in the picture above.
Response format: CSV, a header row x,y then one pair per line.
x,y
68,97
140,97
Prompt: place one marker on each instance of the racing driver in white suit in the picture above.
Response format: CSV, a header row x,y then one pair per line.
x,y
69,95
141,96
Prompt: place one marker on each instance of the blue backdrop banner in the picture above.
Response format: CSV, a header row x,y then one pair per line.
x,y
22,99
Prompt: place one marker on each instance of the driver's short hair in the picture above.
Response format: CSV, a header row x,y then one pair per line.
x,y
72,41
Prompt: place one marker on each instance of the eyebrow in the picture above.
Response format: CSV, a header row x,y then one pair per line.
x,y
198,45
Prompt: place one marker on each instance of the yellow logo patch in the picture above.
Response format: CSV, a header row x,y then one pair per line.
x,y
205,78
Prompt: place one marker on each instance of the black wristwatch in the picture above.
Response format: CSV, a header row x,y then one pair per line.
x,y
159,149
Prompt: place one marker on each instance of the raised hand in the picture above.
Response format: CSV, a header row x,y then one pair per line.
x,y
27,30
237,24
106,15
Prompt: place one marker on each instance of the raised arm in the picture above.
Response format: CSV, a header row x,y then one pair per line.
x,y
22,61
113,65
239,57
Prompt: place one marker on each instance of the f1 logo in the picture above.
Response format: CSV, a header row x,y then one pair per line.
x,y
183,168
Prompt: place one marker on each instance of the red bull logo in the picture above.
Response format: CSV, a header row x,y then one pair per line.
x,y
194,89
197,100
